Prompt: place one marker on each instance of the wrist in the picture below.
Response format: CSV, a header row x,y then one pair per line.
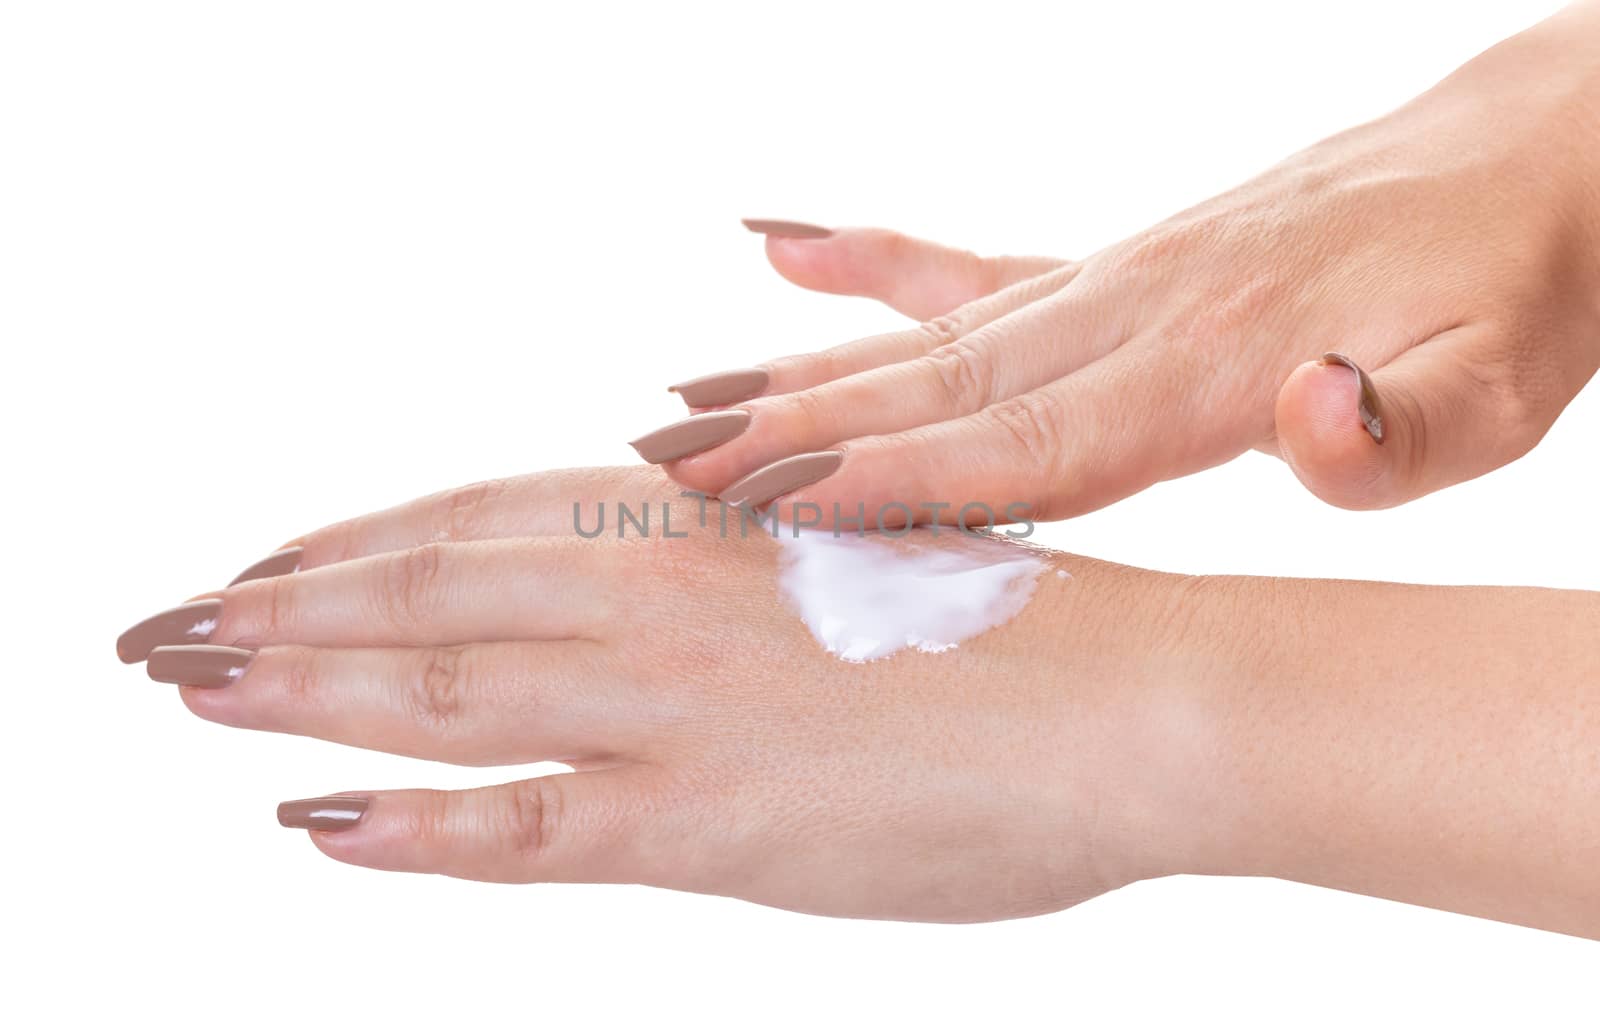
x,y
1220,639
1241,679
1168,659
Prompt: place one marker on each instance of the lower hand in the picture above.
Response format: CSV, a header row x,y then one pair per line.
x,y
716,747
1434,745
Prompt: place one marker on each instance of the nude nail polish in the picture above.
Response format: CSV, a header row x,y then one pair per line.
x,y
328,813
721,388
696,433
279,563
1367,406
788,230
781,477
187,624
197,665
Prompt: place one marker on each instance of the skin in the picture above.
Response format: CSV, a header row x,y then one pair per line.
x,y
1451,248
1127,725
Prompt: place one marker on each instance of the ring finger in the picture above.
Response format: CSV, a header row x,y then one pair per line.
x,y
549,588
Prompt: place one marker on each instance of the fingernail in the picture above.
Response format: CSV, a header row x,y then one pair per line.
x,y
781,477
279,563
197,665
329,813
790,230
1371,417
722,388
186,624
696,433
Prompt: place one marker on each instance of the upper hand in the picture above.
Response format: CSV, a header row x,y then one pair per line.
x,y
1450,250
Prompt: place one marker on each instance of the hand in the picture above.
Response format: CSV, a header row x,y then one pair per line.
x,y
718,748
1124,725
1451,250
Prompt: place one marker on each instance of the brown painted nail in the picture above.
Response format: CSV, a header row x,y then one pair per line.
x,y
722,388
696,433
789,230
279,563
197,665
329,813
781,477
1371,416
186,624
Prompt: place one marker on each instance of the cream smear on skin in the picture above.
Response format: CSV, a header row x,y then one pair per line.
x,y
865,596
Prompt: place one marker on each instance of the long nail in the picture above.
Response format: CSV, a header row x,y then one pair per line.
x,y
790,230
696,433
781,477
1367,408
328,813
197,665
721,388
279,563
187,624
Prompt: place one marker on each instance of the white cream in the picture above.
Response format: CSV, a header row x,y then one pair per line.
x,y
867,596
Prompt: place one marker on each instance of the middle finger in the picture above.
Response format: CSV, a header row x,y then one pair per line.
x,y
475,704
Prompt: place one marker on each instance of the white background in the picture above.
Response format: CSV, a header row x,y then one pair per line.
x,y
269,265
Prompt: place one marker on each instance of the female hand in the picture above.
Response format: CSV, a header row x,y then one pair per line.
x,y
718,749
1124,725
1451,250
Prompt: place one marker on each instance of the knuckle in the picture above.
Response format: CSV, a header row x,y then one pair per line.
x,y
805,368
963,374
1248,304
992,274
406,587
532,817
941,330
897,247
1034,424
299,677
275,607
1224,321
1023,291
440,685
335,542
1414,458
462,512
1152,250
809,409
343,541
1517,388
431,818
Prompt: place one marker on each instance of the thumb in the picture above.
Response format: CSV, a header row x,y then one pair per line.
x,y
1447,410
914,277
